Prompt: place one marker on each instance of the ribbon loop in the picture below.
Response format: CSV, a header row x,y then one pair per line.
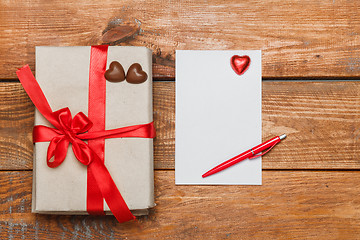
x,y
81,123
57,151
63,117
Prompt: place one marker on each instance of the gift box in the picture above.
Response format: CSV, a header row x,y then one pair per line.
x,y
63,75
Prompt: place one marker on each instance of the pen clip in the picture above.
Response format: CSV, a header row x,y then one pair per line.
x,y
263,153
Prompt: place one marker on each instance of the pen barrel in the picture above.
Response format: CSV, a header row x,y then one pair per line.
x,y
236,159
228,163
265,145
247,154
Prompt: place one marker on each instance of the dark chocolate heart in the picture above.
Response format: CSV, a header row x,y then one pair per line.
x,y
115,73
135,74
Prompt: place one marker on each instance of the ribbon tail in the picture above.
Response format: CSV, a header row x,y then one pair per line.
x,y
35,93
110,191
103,182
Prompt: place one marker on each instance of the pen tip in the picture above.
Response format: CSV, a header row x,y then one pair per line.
x,y
282,136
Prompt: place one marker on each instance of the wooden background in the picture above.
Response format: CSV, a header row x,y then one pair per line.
x,y
311,67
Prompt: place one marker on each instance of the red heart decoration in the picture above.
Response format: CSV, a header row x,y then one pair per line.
x,y
240,64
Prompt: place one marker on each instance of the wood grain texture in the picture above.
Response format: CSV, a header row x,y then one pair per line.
x,y
16,123
289,205
322,120
298,38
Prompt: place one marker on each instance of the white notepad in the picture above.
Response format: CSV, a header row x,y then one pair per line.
x,y
218,116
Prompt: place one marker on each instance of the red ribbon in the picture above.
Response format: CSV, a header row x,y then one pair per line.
x,y
75,130
96,111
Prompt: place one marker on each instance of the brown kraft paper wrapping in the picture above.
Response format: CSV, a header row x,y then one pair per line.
x,y
63,75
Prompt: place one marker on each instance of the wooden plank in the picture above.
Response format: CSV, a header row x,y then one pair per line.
x,y
16,123
298,38
289,205
321,119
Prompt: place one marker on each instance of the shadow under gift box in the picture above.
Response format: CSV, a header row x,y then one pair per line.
x,y
63,75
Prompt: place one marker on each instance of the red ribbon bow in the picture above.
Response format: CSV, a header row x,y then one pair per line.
x,y
68,133
75,130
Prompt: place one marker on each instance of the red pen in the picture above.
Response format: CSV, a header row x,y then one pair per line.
x,y
251,153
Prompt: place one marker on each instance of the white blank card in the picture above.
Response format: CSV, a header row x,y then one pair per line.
x,y
218,116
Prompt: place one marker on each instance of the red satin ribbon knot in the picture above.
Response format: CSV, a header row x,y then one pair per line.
x,y
75,131
65,135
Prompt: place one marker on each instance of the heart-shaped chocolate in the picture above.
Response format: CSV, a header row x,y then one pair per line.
x,y
115,73
135,74
240,63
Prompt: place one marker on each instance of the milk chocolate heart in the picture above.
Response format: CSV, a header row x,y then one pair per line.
x,y
240,63
135,74
115,73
